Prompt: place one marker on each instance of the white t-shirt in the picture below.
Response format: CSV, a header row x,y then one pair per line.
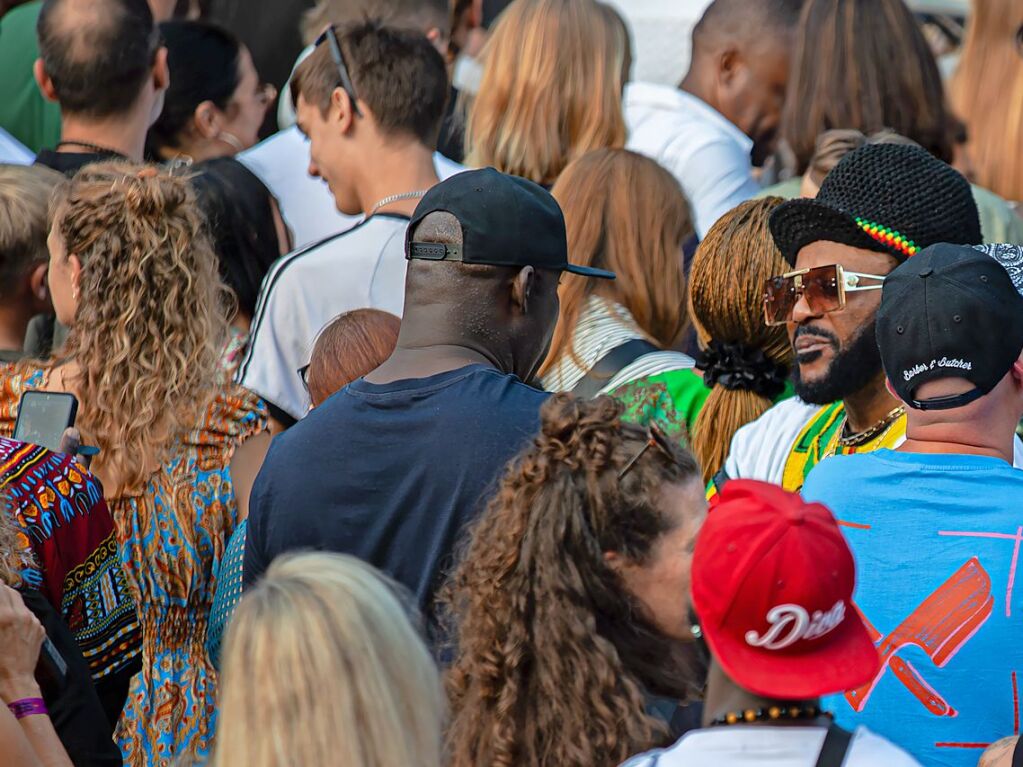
x,y
706,153
12,152
760,449
738,745
363,267
282,163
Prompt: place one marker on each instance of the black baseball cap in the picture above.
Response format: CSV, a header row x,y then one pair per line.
x,y
505,220
951,311
889,198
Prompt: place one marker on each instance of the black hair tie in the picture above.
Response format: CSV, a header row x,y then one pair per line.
x,y
739,367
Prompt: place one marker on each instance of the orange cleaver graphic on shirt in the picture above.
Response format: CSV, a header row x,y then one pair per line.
x,y
940,626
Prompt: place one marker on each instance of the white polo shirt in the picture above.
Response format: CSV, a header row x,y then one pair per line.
x,y
738,746
282,163
363,267
706,153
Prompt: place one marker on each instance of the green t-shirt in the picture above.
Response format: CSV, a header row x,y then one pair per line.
x,y
674,398
24,113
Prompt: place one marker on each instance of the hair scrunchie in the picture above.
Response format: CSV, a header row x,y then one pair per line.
x,y
739,367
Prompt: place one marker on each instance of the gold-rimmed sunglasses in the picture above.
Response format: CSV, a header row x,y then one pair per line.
x,y
823,287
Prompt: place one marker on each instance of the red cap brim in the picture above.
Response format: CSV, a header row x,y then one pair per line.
x,y
847,660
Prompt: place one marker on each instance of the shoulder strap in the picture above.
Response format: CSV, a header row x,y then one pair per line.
x,y
612,363
836,746
1017,754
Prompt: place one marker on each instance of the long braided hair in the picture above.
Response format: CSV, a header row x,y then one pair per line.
x,y
726,305
555,657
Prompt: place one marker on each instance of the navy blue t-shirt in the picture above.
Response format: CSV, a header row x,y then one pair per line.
x,y
391,473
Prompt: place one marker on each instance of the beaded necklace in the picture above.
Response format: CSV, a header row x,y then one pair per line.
x,y
770,714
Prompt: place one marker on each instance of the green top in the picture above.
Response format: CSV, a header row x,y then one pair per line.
x,y
24,113
998,222
673,398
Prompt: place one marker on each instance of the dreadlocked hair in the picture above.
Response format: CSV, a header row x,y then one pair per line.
x,y
726,301
152,317
554,656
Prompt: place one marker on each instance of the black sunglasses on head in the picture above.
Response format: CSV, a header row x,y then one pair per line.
x,y
330,36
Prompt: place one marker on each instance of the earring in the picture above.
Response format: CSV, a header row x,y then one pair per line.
x,y
74,292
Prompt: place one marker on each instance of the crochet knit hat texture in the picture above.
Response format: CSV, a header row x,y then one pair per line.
x,y
884,197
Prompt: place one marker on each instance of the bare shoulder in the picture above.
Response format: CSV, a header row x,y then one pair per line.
x,y
999,754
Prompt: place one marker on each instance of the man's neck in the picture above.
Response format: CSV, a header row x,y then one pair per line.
x,y
695,85
124,134
425,361
869,405
989,437
394,170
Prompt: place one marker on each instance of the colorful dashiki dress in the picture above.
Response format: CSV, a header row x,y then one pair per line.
x,y
69,548
171,539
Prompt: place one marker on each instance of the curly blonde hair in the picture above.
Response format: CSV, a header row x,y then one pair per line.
x,y
555,656
152,317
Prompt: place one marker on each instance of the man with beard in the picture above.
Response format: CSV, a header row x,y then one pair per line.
x,y
879,206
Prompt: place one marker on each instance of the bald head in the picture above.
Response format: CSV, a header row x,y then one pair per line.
x,y
97,53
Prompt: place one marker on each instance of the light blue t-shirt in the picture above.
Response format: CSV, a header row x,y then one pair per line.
x,y
936,540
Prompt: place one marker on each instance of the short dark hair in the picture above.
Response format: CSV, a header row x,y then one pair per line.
x,y
397,73
203,62
98,53
753,21
864,65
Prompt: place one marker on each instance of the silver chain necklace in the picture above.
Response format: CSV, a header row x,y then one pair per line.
x,y
396,198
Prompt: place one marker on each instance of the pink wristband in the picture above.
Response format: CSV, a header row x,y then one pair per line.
x,y
27,707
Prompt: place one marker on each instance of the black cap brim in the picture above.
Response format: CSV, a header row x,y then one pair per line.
x,y
589,271
798,223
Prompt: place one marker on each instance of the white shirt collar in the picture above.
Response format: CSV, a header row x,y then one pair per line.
x,y
652,96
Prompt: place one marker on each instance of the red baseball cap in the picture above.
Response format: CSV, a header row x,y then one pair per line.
x,y
773,582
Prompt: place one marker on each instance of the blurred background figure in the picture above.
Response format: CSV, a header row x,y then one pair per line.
x,y
744,363
322,666
536,112
624,213
987,93
568,606
216,101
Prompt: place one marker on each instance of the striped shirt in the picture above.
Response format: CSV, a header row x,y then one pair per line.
x,y
604,326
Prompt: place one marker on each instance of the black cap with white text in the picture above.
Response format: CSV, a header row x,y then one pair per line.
x,y
951,311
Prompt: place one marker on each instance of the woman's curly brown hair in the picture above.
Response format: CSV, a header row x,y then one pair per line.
x,y
152,317
554,657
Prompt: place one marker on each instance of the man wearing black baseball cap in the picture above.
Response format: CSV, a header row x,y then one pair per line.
x,y
392,467
935,522
879,207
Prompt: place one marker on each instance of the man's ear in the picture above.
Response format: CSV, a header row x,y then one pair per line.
x,y
890,388
161,71
728,66
439,40
43,81
1017,371
39,286
522,289
341,111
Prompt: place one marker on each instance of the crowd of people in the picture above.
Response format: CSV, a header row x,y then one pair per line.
x,y
442,395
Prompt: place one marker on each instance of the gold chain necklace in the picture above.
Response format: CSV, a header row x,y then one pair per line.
x,y
854,440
